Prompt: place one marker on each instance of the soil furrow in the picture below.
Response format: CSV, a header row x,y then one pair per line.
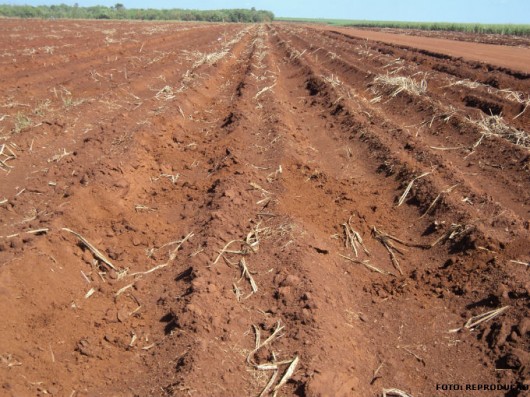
x,y
419,144
255,213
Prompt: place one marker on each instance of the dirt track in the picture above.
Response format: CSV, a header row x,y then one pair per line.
x,y
214,173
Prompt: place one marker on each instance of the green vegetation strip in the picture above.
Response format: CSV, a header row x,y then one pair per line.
x,y
509,29
118,11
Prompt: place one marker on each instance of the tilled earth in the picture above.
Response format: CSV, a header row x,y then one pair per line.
x,y
255,210
488,38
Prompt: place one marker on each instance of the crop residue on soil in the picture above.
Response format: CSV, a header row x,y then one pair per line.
x,y
224,209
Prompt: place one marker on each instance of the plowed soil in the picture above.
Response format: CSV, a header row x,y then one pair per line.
x,y
255,210
489,38
443,47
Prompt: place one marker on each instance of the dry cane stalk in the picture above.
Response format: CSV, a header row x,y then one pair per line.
x,y
385,240
409,186
480,318
93,249
395,392
446,191
246,273
352,238
366,264
172,255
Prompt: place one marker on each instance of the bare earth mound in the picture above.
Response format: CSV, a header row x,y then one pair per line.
x,y
222,210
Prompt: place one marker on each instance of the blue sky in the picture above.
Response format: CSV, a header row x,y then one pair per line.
x,y
484,11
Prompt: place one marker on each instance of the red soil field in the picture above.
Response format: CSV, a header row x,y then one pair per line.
x,y
489,38
500,55
259,210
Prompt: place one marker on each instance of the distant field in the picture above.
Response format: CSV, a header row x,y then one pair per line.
x,y
512,29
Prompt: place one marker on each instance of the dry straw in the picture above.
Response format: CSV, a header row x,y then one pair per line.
x,y
6,154
165,94
263,90
435,201
480,318
245,273
366,263
394,85
273,365
454,231
386,240
495,126
92,249
172,255
520,263
519,98
225,250
352,238
395,393
409,186
465,83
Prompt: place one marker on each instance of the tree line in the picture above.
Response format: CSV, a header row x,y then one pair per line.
x,y
119,11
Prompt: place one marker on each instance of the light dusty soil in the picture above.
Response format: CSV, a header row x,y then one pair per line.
x,y
213,173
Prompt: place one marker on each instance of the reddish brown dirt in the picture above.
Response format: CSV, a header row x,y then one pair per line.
x,y
504,56
499,39
162,143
